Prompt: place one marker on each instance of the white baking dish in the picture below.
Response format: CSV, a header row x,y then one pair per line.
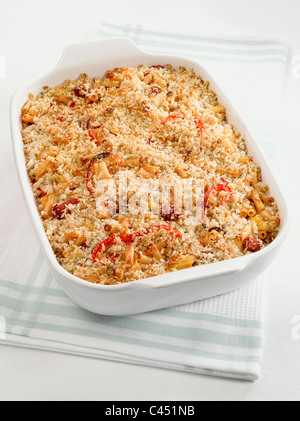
x,y
162,291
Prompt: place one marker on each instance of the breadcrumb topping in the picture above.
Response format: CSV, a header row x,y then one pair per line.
x,y
156,125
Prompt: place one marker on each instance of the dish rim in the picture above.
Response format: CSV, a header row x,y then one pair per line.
x,y
206,271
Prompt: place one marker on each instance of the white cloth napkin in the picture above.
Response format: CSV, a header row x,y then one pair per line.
x,y
222,336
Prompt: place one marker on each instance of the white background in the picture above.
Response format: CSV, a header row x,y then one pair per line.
x,y
33,34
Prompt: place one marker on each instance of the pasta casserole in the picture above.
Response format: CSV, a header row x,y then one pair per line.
x,y
111,159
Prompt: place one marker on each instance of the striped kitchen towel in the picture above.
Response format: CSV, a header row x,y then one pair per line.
x,y
222,336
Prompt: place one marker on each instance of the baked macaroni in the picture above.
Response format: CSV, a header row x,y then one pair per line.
x,y
155,125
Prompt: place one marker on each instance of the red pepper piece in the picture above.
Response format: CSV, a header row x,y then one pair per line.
x,y
155,90
92,136
171,230
171,212
218,188
80,90
197,121
42,192
171,118
200,124
130,238
252,244
58,209
110,75
119,161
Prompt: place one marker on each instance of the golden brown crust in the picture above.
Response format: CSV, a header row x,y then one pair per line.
x,y
164,125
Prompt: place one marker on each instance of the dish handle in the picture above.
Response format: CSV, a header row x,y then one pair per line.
x,y
123,48
232,268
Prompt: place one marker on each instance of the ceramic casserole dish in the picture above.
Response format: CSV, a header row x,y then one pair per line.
x,y
184,286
